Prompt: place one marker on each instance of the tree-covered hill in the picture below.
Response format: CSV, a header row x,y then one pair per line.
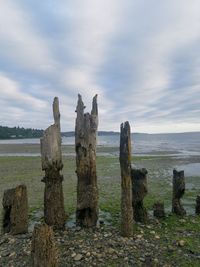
x,y
19,132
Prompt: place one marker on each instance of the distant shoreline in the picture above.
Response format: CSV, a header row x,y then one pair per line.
x,y
13,133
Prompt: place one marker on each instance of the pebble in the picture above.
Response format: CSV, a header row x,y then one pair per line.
x,y
78,257
111,250
5,253
182,243
12,254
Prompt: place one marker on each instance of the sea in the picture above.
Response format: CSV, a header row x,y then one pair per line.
x,y
170,144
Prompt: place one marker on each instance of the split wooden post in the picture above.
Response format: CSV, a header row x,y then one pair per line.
x,y
43,249
85,144
54,213
126,188
139,191
178,192
15,210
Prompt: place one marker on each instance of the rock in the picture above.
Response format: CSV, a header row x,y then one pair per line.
x,y
12,241
142,259
139,236
181,243
3,240
111,251
78,257
12,254
88,254
5,253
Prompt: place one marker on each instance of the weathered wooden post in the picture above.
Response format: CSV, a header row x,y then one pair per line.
x,y
15,210
159,210
85,144
54,213
43,249
126,189
139,191
178,192
197,209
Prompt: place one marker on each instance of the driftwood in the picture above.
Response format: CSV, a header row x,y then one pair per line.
x,y
54,213
15,210
197,209
178,192
43,250
159,210
139,191
126,188
85,145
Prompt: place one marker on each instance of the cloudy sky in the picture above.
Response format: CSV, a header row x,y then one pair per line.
x,y
141,57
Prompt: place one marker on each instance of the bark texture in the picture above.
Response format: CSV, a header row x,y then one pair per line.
x,y
54,213
159,210
126,188
15,210
197,210
85,143
139,191
43,250
178,192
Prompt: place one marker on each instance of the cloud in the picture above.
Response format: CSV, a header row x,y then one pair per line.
x,y
142,58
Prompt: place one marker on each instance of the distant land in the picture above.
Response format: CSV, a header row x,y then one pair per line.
x,y
21,133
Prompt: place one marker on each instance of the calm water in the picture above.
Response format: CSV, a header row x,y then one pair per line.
x,y
183,144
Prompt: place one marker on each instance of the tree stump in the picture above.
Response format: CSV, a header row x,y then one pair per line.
x,y
197,210
85,144
43,249
139,191
15,210
159,210
54,213
178,192
126,188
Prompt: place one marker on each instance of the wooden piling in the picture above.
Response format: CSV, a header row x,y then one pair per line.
x,y
54,213
15,210
126,188
85,144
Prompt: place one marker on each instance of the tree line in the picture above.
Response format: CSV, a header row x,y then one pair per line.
x,y
19,132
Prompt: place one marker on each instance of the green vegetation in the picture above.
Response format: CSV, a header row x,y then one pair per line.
x,y
17,132
164,236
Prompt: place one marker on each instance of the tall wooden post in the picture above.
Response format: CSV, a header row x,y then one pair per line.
x,y
126,188
85,144
54,213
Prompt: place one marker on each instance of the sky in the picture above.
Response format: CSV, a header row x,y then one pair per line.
x,y
141,57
